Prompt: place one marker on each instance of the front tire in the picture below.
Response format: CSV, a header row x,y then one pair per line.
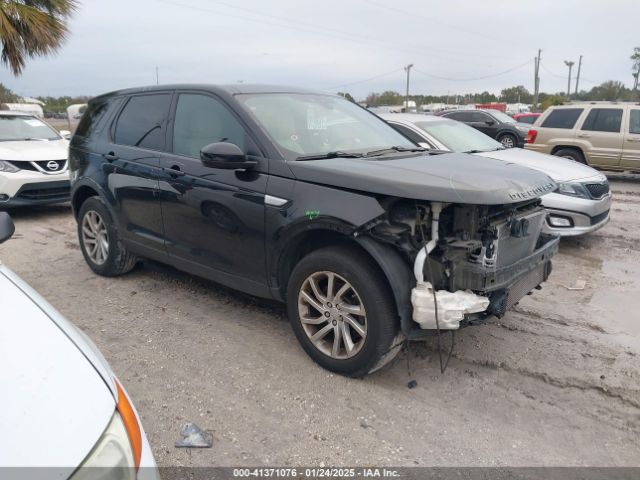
x,y
342,311
508,140
100,241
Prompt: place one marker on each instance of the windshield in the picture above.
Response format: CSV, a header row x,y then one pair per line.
x,y
19,127
502,117
459,137
308,124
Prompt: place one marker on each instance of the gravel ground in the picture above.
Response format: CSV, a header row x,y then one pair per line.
x,y
555,382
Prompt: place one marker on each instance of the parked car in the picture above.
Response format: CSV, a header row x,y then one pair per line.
x,y
33,161
62,407
604,135
309,199
579,205
494,123
528,117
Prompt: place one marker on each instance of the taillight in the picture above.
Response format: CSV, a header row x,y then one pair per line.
x,y
531,136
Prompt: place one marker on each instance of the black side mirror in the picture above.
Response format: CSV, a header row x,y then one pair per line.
x,y
489,122
225,155
6,227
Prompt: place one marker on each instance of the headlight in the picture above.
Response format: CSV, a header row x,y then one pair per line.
x,y
572,189
8,167
117,454
111,458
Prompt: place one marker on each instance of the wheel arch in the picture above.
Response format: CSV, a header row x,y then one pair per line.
x,y
395,270
557,148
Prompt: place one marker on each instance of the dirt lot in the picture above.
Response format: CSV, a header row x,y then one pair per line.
x,y
555,382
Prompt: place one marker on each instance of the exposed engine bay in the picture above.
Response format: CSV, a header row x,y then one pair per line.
x,y
478,260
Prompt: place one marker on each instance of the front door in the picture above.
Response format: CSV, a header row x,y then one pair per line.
x,y
631,147
213,218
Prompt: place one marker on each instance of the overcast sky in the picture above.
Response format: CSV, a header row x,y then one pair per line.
x,y
357,46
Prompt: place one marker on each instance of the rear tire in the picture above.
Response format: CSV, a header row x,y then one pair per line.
x,y
336,299
100,241
571,154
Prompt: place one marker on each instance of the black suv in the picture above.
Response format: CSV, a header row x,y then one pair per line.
x,y
494,123
312,200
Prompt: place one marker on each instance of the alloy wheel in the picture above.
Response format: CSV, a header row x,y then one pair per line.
x,y
95,237
332,315
507,142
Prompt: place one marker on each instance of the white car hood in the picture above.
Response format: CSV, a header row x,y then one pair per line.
x,y
558,168
34,150
55,401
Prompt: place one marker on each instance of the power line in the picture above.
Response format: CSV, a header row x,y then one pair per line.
x,y
473,78
363,81
324,31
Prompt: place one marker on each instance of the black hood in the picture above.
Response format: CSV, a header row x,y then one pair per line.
x,y
450,177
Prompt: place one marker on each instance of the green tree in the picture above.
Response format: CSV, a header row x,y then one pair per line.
x,y
550,100
7,96
609,90
635,58
516,94
32,28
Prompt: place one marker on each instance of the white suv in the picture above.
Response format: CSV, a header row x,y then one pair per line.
x,y
33,162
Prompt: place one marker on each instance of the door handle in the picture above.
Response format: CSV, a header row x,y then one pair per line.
x,y
174,171
110,157
633,139
583,135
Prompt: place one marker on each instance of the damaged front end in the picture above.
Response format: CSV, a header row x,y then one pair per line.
x,y
472,261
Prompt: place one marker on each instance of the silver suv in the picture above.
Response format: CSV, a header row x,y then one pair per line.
x,y
603,135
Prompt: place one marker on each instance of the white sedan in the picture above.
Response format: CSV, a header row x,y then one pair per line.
x,y
62,410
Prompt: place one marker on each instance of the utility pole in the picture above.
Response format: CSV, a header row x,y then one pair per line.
x,y
635,79
536,79
570,65
157,77
578,75
406,97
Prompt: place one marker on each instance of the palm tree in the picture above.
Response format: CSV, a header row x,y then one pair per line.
x,y
31,28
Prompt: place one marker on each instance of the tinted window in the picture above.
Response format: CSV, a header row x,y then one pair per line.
x,y
461,116
603,120
141,123
94,116
479,117
527,119
201,120
562,118
634,121
410,134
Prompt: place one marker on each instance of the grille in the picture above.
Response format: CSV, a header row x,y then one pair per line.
x,y
597,190
41,165
599,218
23,165
37,193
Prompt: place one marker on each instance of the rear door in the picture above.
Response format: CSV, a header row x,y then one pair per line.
x,y
133,163
601,136
631,147
213,218
485,123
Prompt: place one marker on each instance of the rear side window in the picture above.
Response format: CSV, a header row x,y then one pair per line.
x,y
95,116
410,134
603,120
141,123
479,117
460,116
562,118
634,121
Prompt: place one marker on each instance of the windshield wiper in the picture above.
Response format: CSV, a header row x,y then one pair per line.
x,y
373,153
323,156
